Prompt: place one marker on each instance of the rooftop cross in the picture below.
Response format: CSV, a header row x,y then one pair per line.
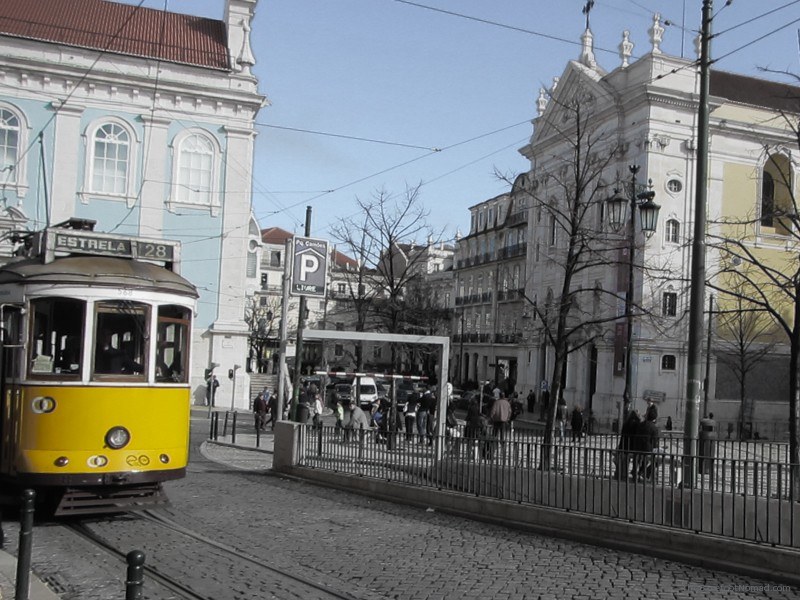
x,y
586,10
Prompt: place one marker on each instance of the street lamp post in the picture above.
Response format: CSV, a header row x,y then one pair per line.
x,y
648,214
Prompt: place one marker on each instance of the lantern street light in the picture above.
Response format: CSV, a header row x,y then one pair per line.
x,y
617,217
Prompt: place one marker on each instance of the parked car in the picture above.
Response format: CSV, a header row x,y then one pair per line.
x,y
367,392
341,392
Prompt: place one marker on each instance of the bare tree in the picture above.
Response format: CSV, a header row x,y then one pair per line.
x,y
568,196
262,326
768,280
386,245
746,336
360,289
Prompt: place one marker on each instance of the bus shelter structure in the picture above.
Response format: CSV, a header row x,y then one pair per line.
x,y
442,342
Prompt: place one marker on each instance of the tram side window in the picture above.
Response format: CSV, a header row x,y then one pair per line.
x,y
173,344
121,339
56,337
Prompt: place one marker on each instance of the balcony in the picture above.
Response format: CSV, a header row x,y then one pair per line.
x,y
517,218
513,251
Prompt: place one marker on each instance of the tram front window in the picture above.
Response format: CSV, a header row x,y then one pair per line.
x,y
121,339
56,337
173,342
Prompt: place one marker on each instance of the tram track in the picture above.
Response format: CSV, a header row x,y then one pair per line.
x,y
280,578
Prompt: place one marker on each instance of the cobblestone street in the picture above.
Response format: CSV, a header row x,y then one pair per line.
x,y
369,549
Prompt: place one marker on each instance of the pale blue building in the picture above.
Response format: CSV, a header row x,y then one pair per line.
x,y
142,120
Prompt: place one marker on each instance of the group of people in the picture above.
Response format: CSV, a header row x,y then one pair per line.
x,y
263,407
638,442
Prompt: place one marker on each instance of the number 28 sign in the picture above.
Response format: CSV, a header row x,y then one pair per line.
x,y
310,267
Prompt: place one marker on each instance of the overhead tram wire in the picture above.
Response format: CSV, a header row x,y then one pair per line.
x,y
392,168
501,25
348,137
755,41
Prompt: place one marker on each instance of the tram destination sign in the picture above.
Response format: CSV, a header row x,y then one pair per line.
x,y
310,270
83,243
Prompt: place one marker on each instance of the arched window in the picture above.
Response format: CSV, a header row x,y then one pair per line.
x,y
9,146
110,160
767,199
776,196
195,162
196,170
673,231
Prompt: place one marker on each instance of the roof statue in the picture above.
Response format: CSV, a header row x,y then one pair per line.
x,y
625,48
656,33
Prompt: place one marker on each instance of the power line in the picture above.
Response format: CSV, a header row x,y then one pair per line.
x,y
348,137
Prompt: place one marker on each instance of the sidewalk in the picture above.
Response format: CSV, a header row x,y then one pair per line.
x,y
8,574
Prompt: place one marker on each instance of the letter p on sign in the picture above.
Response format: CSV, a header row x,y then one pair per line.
x,y
309,264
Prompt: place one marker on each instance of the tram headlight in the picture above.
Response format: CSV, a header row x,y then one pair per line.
x,y
164,458
118,437
97,460
43,404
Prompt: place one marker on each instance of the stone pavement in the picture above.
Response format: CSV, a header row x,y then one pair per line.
x,y
8,575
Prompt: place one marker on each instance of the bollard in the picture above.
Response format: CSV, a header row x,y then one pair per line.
x,y
135,581
233,429
25,546
225,425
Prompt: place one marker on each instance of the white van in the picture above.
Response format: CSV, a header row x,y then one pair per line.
x,y
365,390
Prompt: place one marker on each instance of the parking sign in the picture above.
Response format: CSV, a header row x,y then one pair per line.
x,y
310,271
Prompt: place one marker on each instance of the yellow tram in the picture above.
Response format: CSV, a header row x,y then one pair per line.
x,y
94,352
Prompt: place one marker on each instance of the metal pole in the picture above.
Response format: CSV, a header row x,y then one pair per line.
x,y
23,586
287,265
698,266
460,361
626,394
301,323
708,354
134,583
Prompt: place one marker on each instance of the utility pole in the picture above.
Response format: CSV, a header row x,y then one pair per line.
x,y
282,369
301,323
694,369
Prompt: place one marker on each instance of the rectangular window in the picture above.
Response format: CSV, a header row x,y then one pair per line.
x,y
338,350
173,344
669,307
56,346
377,351
121,339
341,288
668,362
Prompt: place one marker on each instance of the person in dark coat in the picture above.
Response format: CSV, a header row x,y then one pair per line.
x,y
531,401
645,445
627,437
260,408
576,423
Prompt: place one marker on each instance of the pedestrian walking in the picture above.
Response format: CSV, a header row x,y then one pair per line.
x,y
271,400
668,426
259,411
627,443
561,418
411,415
531,401
500,416
317,420
339,419
422,416
211,389
576,423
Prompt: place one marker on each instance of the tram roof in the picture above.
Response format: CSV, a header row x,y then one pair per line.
x,y
97,271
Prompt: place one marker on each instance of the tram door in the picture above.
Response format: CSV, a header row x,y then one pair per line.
x,y
10,363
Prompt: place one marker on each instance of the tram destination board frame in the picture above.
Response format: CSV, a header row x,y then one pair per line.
x,y
58,242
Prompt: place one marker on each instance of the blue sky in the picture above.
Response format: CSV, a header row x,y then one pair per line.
x,y
413,77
